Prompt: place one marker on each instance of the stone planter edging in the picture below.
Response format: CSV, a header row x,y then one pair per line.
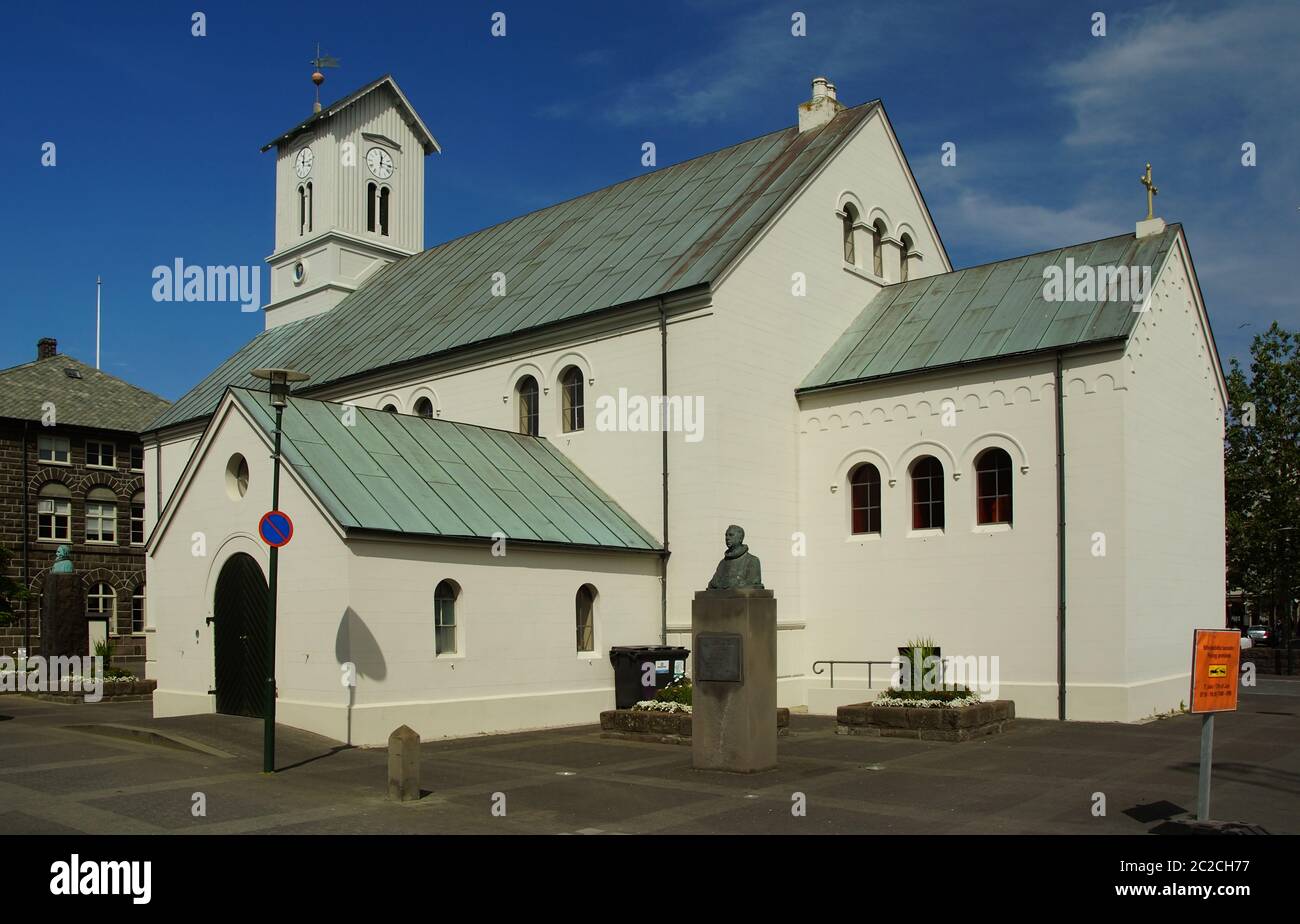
x,y
661,727
927,724
133,692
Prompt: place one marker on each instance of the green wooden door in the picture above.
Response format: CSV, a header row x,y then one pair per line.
x,y
239,630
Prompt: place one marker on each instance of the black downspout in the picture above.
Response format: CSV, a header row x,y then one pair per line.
x,y
663,383
27,575
1060,544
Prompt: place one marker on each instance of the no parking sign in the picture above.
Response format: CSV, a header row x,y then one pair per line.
x,y
275,528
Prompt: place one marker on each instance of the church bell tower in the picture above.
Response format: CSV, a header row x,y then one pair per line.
x,y
349,196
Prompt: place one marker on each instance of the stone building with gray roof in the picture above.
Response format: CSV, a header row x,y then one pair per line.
x,y
72,473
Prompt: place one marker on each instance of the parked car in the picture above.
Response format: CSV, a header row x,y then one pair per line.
x,y
1258,635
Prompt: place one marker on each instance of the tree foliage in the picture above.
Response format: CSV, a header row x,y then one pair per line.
x,y
1262,470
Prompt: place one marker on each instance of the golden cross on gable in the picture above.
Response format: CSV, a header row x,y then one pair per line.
x,y
1152,192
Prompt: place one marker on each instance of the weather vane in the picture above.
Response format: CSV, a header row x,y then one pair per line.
x,y
317,77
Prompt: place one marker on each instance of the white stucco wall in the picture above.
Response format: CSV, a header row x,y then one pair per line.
x,y
1174,490
770,338
978,590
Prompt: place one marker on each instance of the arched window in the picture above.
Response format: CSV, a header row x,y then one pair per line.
x,y
444,618
309,206
390,408
101,603
370,206
54,513
864,498
585,607
137,518
993,486
101,516
302,210
424,407
526,392
850,219
383,210
878,248
572,391
137,609
905,248
927,493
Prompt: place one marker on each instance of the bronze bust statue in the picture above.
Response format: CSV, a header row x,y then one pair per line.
x,y
738,568
62,561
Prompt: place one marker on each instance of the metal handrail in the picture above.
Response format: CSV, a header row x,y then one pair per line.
x,y
817,670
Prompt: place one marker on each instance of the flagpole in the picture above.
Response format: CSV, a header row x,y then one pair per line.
x,y
98,286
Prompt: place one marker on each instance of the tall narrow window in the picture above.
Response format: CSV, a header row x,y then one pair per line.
x,y
302,210
864,499
424,407
101,603
571,387
444,617
878,248
993,486
850,219
383,210
101,516
54,513
137,457
137,609
927,493
526,392
309,207
904,256
370,206
585,606
137,518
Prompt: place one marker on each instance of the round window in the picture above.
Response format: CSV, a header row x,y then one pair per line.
x,y
299,272
237,477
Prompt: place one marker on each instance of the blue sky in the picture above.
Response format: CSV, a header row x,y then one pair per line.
x,y
157,133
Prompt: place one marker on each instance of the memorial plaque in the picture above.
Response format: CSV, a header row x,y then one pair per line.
x,y
718,657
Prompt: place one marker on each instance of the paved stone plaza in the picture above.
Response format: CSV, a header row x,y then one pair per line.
x,y
1039,777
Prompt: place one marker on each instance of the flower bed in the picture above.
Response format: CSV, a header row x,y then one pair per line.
x,y
931,720
661,726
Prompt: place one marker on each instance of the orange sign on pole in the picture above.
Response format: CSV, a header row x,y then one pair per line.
x,y
1216,662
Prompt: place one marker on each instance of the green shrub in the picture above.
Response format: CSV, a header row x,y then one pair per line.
x,y
678,691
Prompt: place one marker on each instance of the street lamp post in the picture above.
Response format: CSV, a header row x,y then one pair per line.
x,y
279,380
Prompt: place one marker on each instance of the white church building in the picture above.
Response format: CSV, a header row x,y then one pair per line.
x,y
521,447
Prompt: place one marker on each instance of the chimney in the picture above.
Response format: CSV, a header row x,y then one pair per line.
x,y
821,108
47,347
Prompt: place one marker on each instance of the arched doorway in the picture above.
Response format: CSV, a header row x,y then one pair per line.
x,y
239,637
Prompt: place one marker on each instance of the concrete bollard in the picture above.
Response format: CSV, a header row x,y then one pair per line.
x,y
404,765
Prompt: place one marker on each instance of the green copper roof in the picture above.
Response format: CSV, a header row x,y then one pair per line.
x,y
423,477
664,231
986,312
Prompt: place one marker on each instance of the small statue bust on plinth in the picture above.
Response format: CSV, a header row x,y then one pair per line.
x,y
62,561
738,569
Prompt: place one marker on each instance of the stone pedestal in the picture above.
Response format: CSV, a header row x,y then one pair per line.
x,y
733,640
64,629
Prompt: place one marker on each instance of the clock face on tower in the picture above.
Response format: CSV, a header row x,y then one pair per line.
x,y
380,163
302,163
